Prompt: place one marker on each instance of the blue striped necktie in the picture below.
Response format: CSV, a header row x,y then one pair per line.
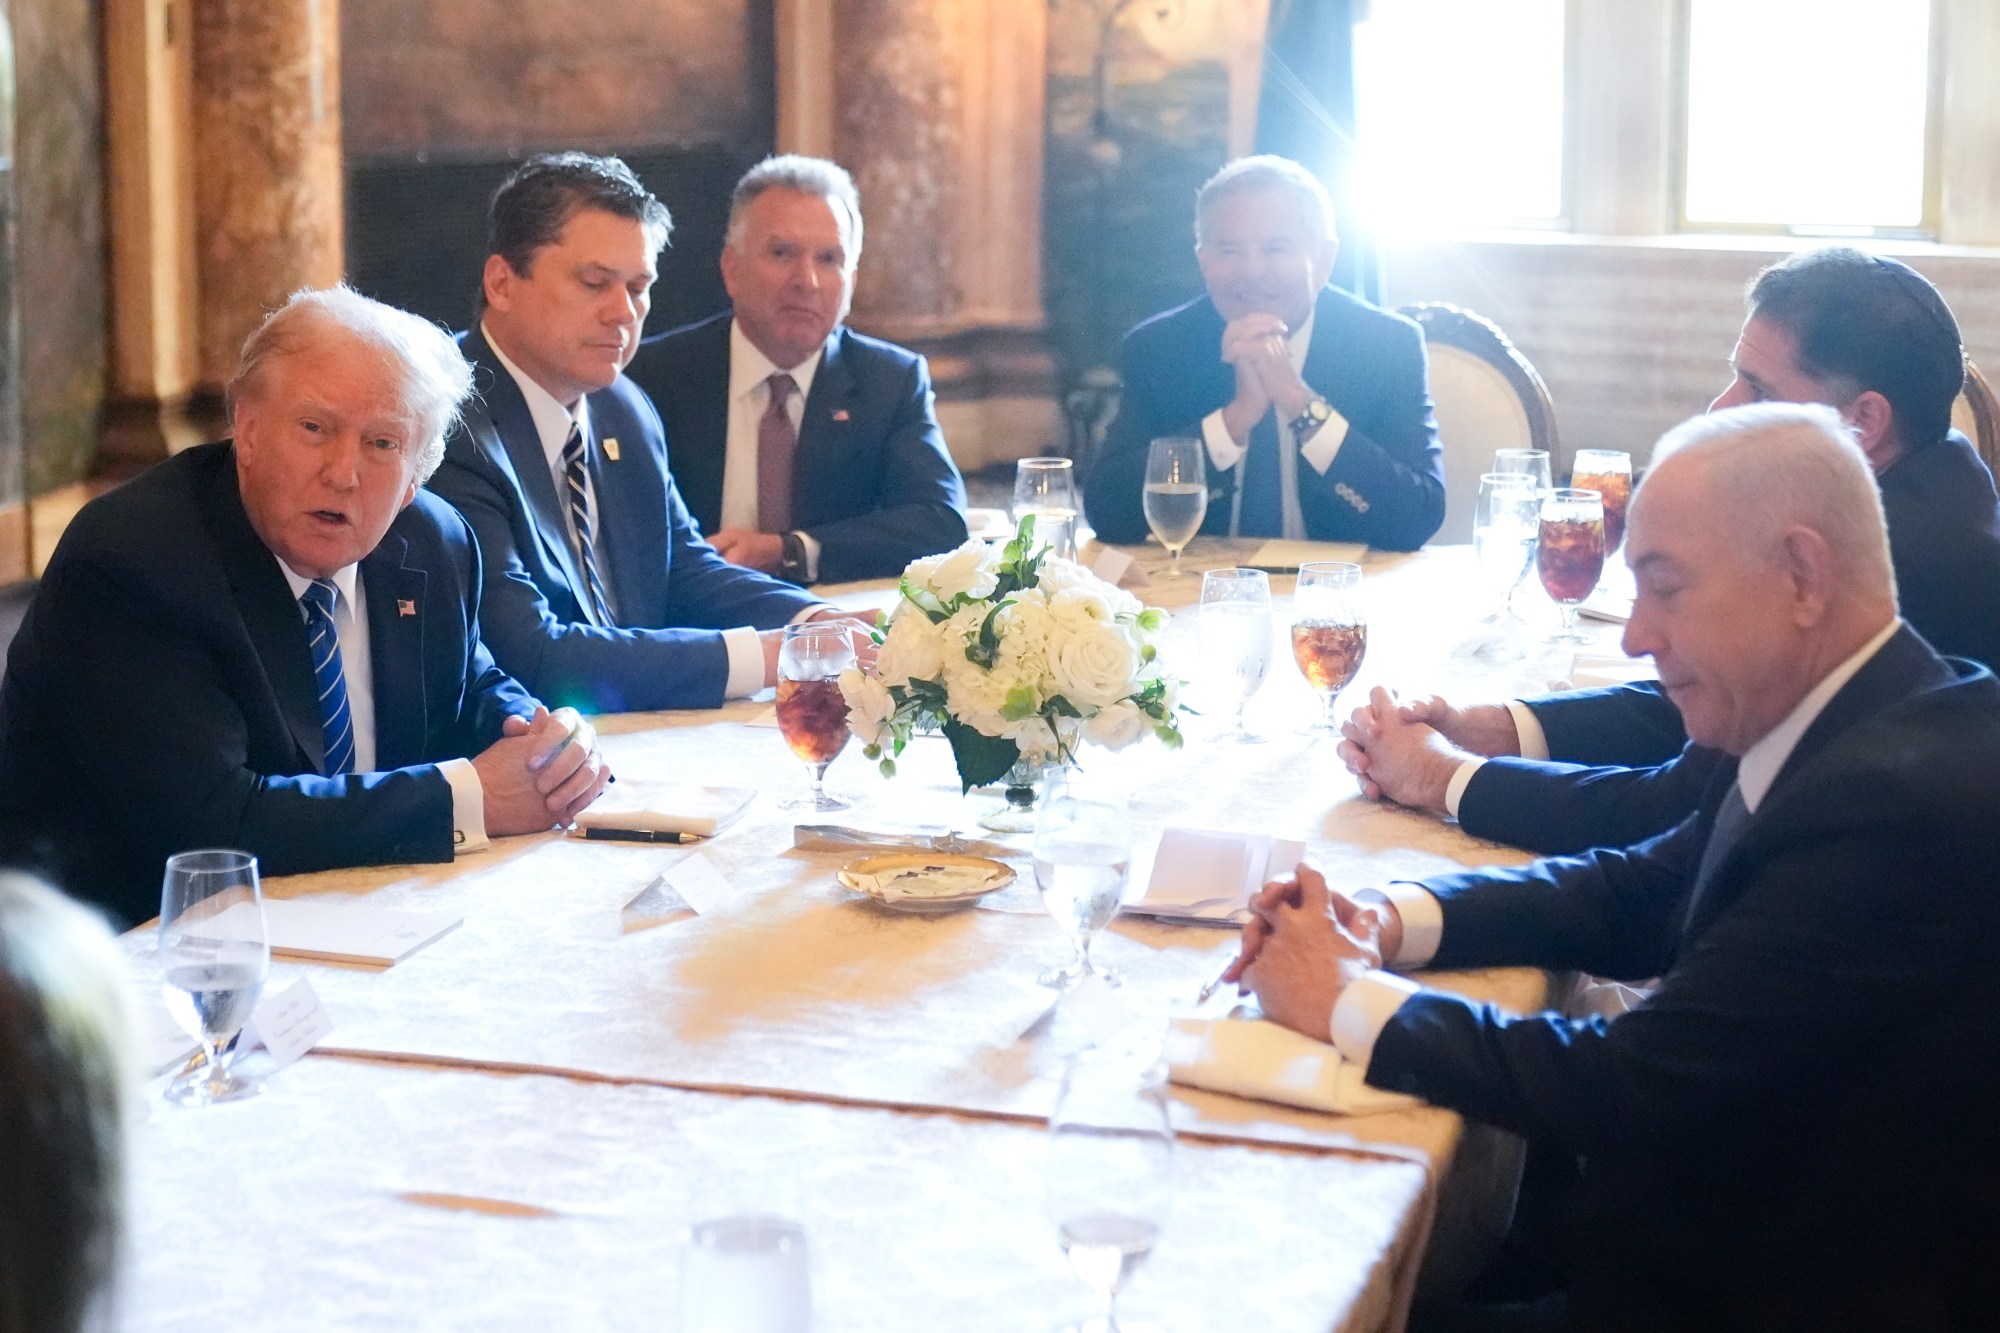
x,y
323,642
579,521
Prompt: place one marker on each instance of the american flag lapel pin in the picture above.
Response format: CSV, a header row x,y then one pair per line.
x,y
840,414
611,447
406,606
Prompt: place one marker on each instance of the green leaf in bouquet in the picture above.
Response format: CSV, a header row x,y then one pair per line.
x,y
982,760
985,650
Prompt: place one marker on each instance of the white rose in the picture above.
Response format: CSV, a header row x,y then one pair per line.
x,y
913,649
1078,609
1094,667
969,569
869,706
1116,726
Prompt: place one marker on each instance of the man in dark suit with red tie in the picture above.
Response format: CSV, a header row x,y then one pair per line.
x,y
804,449
1793,1131
1313,406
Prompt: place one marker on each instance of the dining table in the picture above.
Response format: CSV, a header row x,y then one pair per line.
x,y
515,1126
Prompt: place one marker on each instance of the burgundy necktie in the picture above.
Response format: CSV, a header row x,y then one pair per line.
x,y
777,442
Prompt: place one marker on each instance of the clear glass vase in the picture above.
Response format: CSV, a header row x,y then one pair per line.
x,y
1022,790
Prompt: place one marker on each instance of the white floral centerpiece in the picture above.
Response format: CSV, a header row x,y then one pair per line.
x,y
1014,655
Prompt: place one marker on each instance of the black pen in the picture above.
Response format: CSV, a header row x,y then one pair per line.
x,y
641,835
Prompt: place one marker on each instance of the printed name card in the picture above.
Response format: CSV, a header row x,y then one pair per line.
x,y
700,885
1097,1009
1204,875
287,1024
1118,569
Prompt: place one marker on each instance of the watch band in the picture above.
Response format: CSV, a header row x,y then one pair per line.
x,y
792,563
1318,412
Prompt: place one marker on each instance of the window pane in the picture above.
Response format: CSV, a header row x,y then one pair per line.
x,y
1808,112
1460,111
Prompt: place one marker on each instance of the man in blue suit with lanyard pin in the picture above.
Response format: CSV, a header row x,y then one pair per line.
x,y
600,590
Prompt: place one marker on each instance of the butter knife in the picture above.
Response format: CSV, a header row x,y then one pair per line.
x,y
841,838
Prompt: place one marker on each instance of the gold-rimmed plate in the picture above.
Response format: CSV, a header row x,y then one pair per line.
x,y
925,882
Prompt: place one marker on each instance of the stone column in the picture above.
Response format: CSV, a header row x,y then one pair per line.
x,y
267,163
938,112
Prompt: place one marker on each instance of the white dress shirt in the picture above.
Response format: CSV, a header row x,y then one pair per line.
x,y
1364,1008
750,374
357,672
1320,450
552,425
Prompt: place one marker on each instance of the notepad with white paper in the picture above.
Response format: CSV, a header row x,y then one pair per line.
x,y
1288,555
345,932
667,807
1206,876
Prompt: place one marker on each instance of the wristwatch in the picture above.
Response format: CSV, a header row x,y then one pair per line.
x,y
1317,413
792,563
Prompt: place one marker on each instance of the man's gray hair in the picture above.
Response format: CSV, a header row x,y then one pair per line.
x,y
434,378
1268,171
807,175
1777,466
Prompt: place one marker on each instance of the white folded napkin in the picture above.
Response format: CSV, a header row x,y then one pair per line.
x,y
667,807
1257,1058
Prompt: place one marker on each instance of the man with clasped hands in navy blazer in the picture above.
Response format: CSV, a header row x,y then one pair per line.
x,y
1861,333
601,592
1314,406
854,482
1795,1130
272,643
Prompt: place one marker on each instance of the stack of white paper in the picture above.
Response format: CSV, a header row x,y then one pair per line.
x,y
667,807
1204,876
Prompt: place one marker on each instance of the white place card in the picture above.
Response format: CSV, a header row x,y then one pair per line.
x,y
1097,1009
1289,555
347,932
163,1044
1206,875
287,1024
1118,569
700,885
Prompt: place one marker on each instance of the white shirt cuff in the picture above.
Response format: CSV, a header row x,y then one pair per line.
x,y
1454,791
1422,918
746,662
811,544
1534,741
468,805
1324,446
1223,451
1364,1009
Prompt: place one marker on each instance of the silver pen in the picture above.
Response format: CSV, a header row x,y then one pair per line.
x,y
1215,982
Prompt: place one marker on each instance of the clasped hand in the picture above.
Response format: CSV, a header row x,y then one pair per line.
x,y
1254,345
541,773
1305,944
1407,750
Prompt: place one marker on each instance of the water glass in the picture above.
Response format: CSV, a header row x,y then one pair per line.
x,y
1609,473
1329,634
1503,535
214,956
1236,637
1176,494
1109,1175
812,712
1569,553
1046,488
1525,462
746,1274
1083,852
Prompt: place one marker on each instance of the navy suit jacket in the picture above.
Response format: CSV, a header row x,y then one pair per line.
x,y
674,595
1795,1131
1624,769
872,481
1386,485
160,696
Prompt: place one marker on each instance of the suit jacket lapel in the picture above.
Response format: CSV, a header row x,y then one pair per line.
x,y
499,416
270,614
396,607
631,510
824,428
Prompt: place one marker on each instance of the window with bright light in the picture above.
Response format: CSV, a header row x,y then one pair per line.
x,y
1459,105
1808,115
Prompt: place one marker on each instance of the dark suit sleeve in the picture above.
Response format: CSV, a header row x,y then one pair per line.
x,y
1558,809
1390,469
159,737
1113,494
919,509
1630,725
1824,955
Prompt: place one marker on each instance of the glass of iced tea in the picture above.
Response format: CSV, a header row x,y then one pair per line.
x,y
811,712
1609,473
1329,634
1569,553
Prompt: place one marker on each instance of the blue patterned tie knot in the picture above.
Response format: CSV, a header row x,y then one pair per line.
x,y
323,643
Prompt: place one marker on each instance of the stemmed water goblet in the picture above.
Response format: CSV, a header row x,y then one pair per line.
x,y
1109,1175
1176,494
1236,637
1532,463
1503,535
214,956
812,712
1083,851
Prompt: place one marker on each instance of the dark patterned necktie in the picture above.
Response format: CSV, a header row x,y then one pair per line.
x,y
1730,821
575,478
777,443
323,642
